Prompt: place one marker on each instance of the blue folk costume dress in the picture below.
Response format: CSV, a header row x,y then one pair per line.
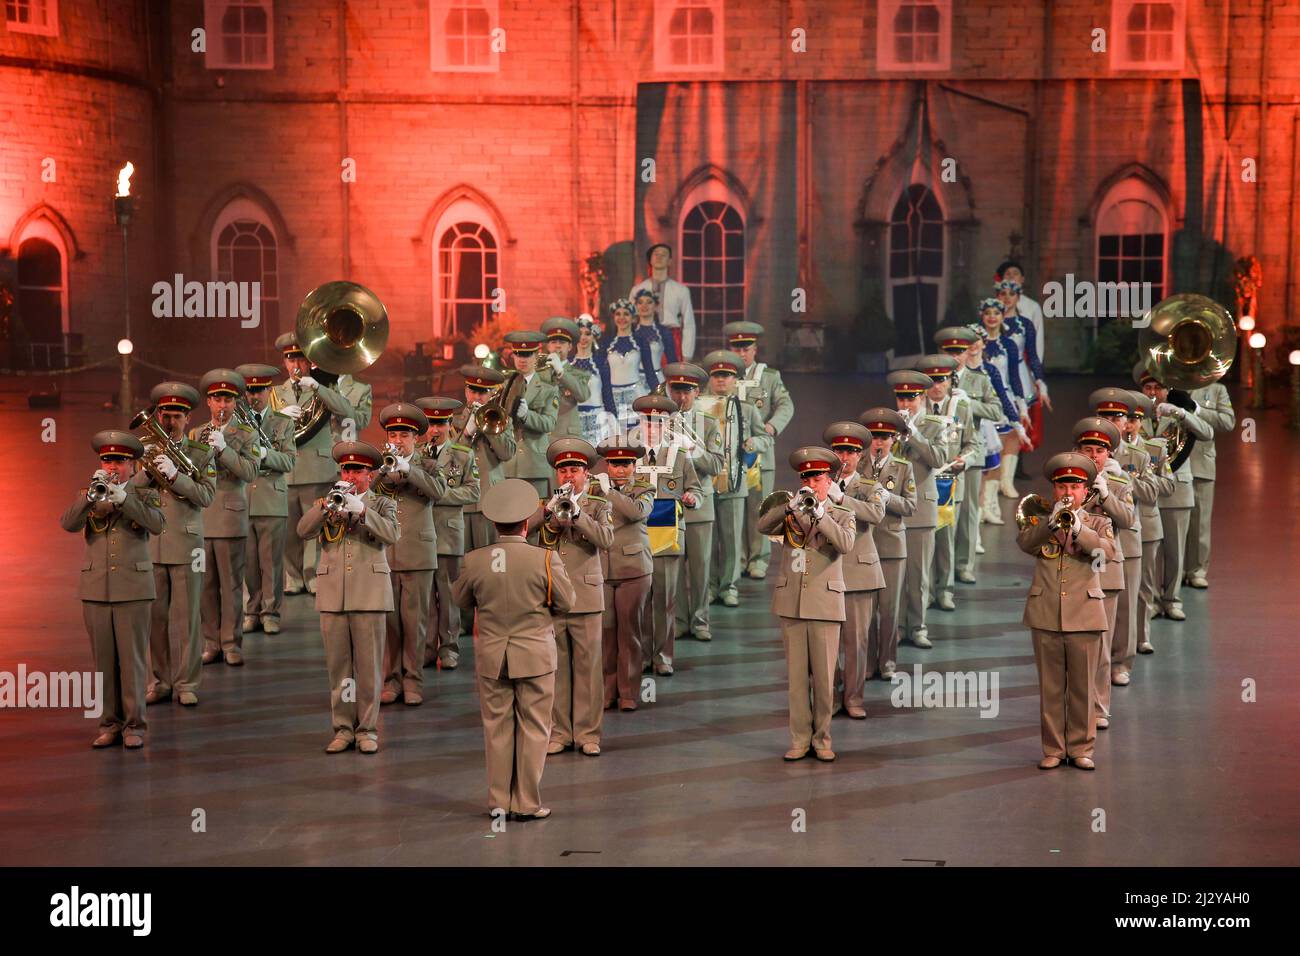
x,y
627,351
1001,359
592,411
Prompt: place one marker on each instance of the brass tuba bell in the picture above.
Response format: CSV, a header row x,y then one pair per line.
x,y
342,328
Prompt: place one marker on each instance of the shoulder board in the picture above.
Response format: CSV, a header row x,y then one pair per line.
x,y
592,497
457,446
895,456
1122,479
195,445
380,490
244,428
841,508
963,401
936,419
276,413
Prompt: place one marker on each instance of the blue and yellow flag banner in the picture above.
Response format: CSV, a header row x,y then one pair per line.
x,y
664,526
947,510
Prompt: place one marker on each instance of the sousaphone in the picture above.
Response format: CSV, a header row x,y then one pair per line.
x,y
342,328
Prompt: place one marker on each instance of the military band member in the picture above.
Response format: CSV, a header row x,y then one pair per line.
x,y
966,452
571,381
1065,611
513,588
809,597
1214,407
627,567
577,524
863,579
883,465
972,381
175,641
489,453
1096,438
926,445
536,415
225,525
455,463
669,469
268,504
348,405
414,484
701,439
1175,508
759,385
117,582
744,441
1158,482
354,594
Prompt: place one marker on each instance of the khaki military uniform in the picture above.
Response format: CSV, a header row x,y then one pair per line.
x,y
810,604
1176,516
489,453
1066,614
513,589
175,641
1214,407
354,595
863,582
1121,509
268,517
314,470
412,561
740,422
670,471
117,587
574,387
533,435
1158,483
970,450
927,447
984,405
761,387
225,539
456,466
1136,464
693,597
627,567
579,677
895,474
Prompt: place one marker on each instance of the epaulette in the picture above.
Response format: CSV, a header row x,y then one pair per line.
x,y
842,508
1122,479
595,497
937,419
242,427
895,456
195,445
457,446
379,489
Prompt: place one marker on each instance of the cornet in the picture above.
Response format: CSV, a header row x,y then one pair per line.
x,y
566,509
805,501
98,490
337,499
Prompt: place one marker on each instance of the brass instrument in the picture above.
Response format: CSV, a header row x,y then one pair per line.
x,y
777,499
566,509
341,328
1189,342
98,490
495,415
157,442
1036,506
246,416
336,500
805,501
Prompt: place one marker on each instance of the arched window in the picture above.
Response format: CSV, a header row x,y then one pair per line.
x,y
467,269
914,34
712,244
244,249
460,35
1148,34
41,300
239,34
688,34
1133,236
916,264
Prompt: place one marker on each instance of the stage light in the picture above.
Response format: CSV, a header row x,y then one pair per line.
x,y
125,347
1247,323
481,351
1294,357
1257,340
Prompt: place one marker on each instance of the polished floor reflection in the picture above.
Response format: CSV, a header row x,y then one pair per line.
x,y
1188,774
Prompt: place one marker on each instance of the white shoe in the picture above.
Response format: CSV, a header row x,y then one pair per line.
x,y
1008,483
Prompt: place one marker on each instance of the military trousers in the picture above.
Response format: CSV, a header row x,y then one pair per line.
x,y
728,542
916,581
758,547
1173,549
354,659
443,634
222,602
579,679
119,646
1197,561
1067,667
516,728
264,565
882,640
811,648
405,629
693,590
855,638
968,523
623,643
175,641
1123,649
659,616
1101,679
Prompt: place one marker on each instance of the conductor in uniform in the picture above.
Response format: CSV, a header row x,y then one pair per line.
x,y
809,596
513,587
117,582
1065,610
353,592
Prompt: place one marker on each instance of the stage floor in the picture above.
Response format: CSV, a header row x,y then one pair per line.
x,y
1188,774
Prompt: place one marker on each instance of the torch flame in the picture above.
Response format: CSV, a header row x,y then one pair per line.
x,y
124,179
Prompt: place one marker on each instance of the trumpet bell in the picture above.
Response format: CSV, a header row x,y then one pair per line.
x,y
342,327
1190,342
1031,507
490,419
777,499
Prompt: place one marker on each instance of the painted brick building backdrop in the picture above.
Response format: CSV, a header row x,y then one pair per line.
x,y
880,155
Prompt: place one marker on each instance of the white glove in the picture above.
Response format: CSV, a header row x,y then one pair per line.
x,y
117,493
1102,486
344,486
959,393
403,466
554,502
835,492
1056,508
1021,408
217,439
471,426
262,453
603,481
293,411
166,466
1165,410
354,506
522,410
555,362
308,382
1113,467
819,511
102,474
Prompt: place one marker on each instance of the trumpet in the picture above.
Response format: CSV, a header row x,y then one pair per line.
x,y
337,498
389,462
566,509
98,490
805,501
159,442
1032,508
